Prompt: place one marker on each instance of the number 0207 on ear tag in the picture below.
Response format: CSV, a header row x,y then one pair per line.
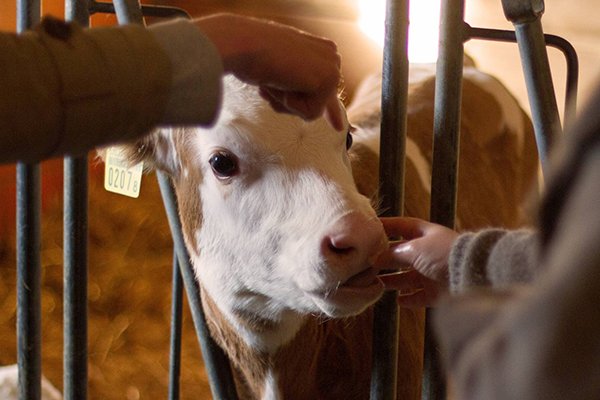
x,y
119,177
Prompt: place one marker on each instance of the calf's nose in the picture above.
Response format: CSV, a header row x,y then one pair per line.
x,y
354,240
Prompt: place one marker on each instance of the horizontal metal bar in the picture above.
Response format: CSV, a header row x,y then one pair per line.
x,y
571,59
147,10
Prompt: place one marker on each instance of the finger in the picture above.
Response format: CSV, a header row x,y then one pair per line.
x,y
404,253
273,97
333,113
404,281
303,105
406,227
387,260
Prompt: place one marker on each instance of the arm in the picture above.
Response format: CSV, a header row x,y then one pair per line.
x,y
67,90
433,259
538,341
72,89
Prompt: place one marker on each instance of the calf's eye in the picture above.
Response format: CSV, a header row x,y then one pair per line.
x,y
223,164
348,141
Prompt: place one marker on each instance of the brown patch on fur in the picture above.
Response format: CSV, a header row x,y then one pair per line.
x,y
249,367
493,177
328,360
365,169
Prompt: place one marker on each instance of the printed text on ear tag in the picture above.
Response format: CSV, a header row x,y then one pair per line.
x,y
119,177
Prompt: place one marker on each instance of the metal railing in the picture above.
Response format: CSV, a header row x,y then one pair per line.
x,y
454,33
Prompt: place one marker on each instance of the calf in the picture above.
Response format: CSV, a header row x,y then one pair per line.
x,y
283,243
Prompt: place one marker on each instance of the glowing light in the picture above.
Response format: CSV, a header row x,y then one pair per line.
x,y
423,29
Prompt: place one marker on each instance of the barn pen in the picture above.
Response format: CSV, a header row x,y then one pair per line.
x,y
455,32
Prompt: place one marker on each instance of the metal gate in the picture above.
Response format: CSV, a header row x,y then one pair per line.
x,y
526,17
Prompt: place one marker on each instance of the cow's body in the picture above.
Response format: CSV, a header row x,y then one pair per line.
x,y
283,246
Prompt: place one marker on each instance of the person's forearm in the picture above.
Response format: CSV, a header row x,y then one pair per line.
x,y
68,90
197,69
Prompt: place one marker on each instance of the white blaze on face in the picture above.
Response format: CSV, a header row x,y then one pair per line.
x,y
287,231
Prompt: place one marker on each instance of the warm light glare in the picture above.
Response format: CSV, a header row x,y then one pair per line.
x,y
423,28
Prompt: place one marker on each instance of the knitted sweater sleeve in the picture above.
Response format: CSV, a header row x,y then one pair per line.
x,y
493,257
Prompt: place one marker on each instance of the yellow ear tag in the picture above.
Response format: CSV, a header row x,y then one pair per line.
x,y
119,177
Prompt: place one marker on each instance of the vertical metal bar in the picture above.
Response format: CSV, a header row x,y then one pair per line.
x,y
572,60
176,320
75,278
446,135
391,193
28,14
526,18
557,42
75,256
28,281
29,344
128,12
217,364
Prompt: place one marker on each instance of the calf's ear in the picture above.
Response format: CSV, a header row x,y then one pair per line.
x,y
156,151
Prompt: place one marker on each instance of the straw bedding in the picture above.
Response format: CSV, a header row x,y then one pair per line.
x,y
130,267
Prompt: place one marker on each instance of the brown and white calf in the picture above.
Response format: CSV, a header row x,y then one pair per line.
x,y
282,241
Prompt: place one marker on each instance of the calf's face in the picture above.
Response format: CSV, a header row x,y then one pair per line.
x,y
271,215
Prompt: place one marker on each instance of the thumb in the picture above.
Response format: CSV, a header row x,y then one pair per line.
x,y
398,257
405,253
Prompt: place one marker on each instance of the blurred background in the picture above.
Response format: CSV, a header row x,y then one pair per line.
x,y
130,246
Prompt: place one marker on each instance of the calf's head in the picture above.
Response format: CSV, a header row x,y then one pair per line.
x,y
272,218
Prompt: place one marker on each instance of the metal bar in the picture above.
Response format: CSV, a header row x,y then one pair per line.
x,y
571,59
75,254
147,10
215,360
176,320
75,278
29,344
28,14
446,136
391,192
28,282
526,18
217,364
128,12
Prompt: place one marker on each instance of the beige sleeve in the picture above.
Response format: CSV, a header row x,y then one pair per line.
x,y
67,90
